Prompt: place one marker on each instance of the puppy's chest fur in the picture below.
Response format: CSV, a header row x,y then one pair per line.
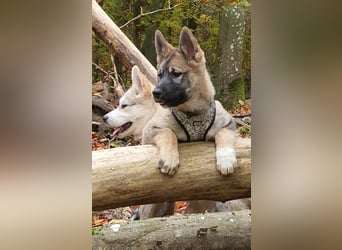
x,y
195,125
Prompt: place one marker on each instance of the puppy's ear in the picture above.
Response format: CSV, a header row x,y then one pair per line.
x,y
189,45
137,81
162,46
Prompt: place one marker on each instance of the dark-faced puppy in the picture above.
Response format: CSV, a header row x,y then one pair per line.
x,y
189,112
172,88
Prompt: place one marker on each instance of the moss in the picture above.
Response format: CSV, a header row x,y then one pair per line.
x,y
234,92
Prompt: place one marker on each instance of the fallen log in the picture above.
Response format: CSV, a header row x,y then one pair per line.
x,y
129,176
101,103
119,43
222,230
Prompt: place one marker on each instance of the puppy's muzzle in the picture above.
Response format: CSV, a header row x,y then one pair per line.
x,y
105,118
157,95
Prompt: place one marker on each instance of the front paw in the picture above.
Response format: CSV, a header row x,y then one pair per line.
x,y
226,160
168,165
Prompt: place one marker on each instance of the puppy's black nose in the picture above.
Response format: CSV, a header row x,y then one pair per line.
x,y
157,93
105,118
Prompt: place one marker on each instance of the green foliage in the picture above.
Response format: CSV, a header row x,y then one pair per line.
x,y
98,230
245,3
100,56
115,144
201,16
236,91
244,130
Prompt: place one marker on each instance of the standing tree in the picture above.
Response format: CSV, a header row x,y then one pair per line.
x,y
229,79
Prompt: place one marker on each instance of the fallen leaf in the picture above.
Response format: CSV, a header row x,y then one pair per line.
x,y
98,222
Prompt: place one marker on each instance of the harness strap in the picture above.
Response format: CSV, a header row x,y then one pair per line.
x,y
196,127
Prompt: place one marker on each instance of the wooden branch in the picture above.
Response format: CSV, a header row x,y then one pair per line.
x,y
148,13
118,90
242,115
116,76
239,121
224,230
101,103
118,42
102,70
129,176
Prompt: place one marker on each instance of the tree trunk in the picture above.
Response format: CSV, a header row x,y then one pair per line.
x,y
229,80
102,104
111,34
129,176
224,230
247,55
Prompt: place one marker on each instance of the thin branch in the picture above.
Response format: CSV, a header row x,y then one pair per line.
x,y
114,70
106,73
239,121
241,115
102,70
118,88
148,13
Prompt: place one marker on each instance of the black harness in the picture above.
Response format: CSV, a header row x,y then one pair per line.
x,y
196,126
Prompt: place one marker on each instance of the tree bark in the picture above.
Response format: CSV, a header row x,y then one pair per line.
x,y
111,34
224,230
229,79
101,103
129,176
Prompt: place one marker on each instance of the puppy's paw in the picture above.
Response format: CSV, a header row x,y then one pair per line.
x,y
168,164
226,160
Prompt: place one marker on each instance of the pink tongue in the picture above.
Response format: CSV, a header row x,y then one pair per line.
x,y
116,132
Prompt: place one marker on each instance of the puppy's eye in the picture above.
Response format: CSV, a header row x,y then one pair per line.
x,y
160,74
127,105
176,74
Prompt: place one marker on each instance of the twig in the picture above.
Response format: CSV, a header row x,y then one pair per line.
x,y
239,121
95,123
116,77
118,87
105,85
148,13
103,71
241,115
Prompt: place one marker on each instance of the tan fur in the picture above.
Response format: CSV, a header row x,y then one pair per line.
x,y
156,210
201,92
147,109
166,142
224,138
